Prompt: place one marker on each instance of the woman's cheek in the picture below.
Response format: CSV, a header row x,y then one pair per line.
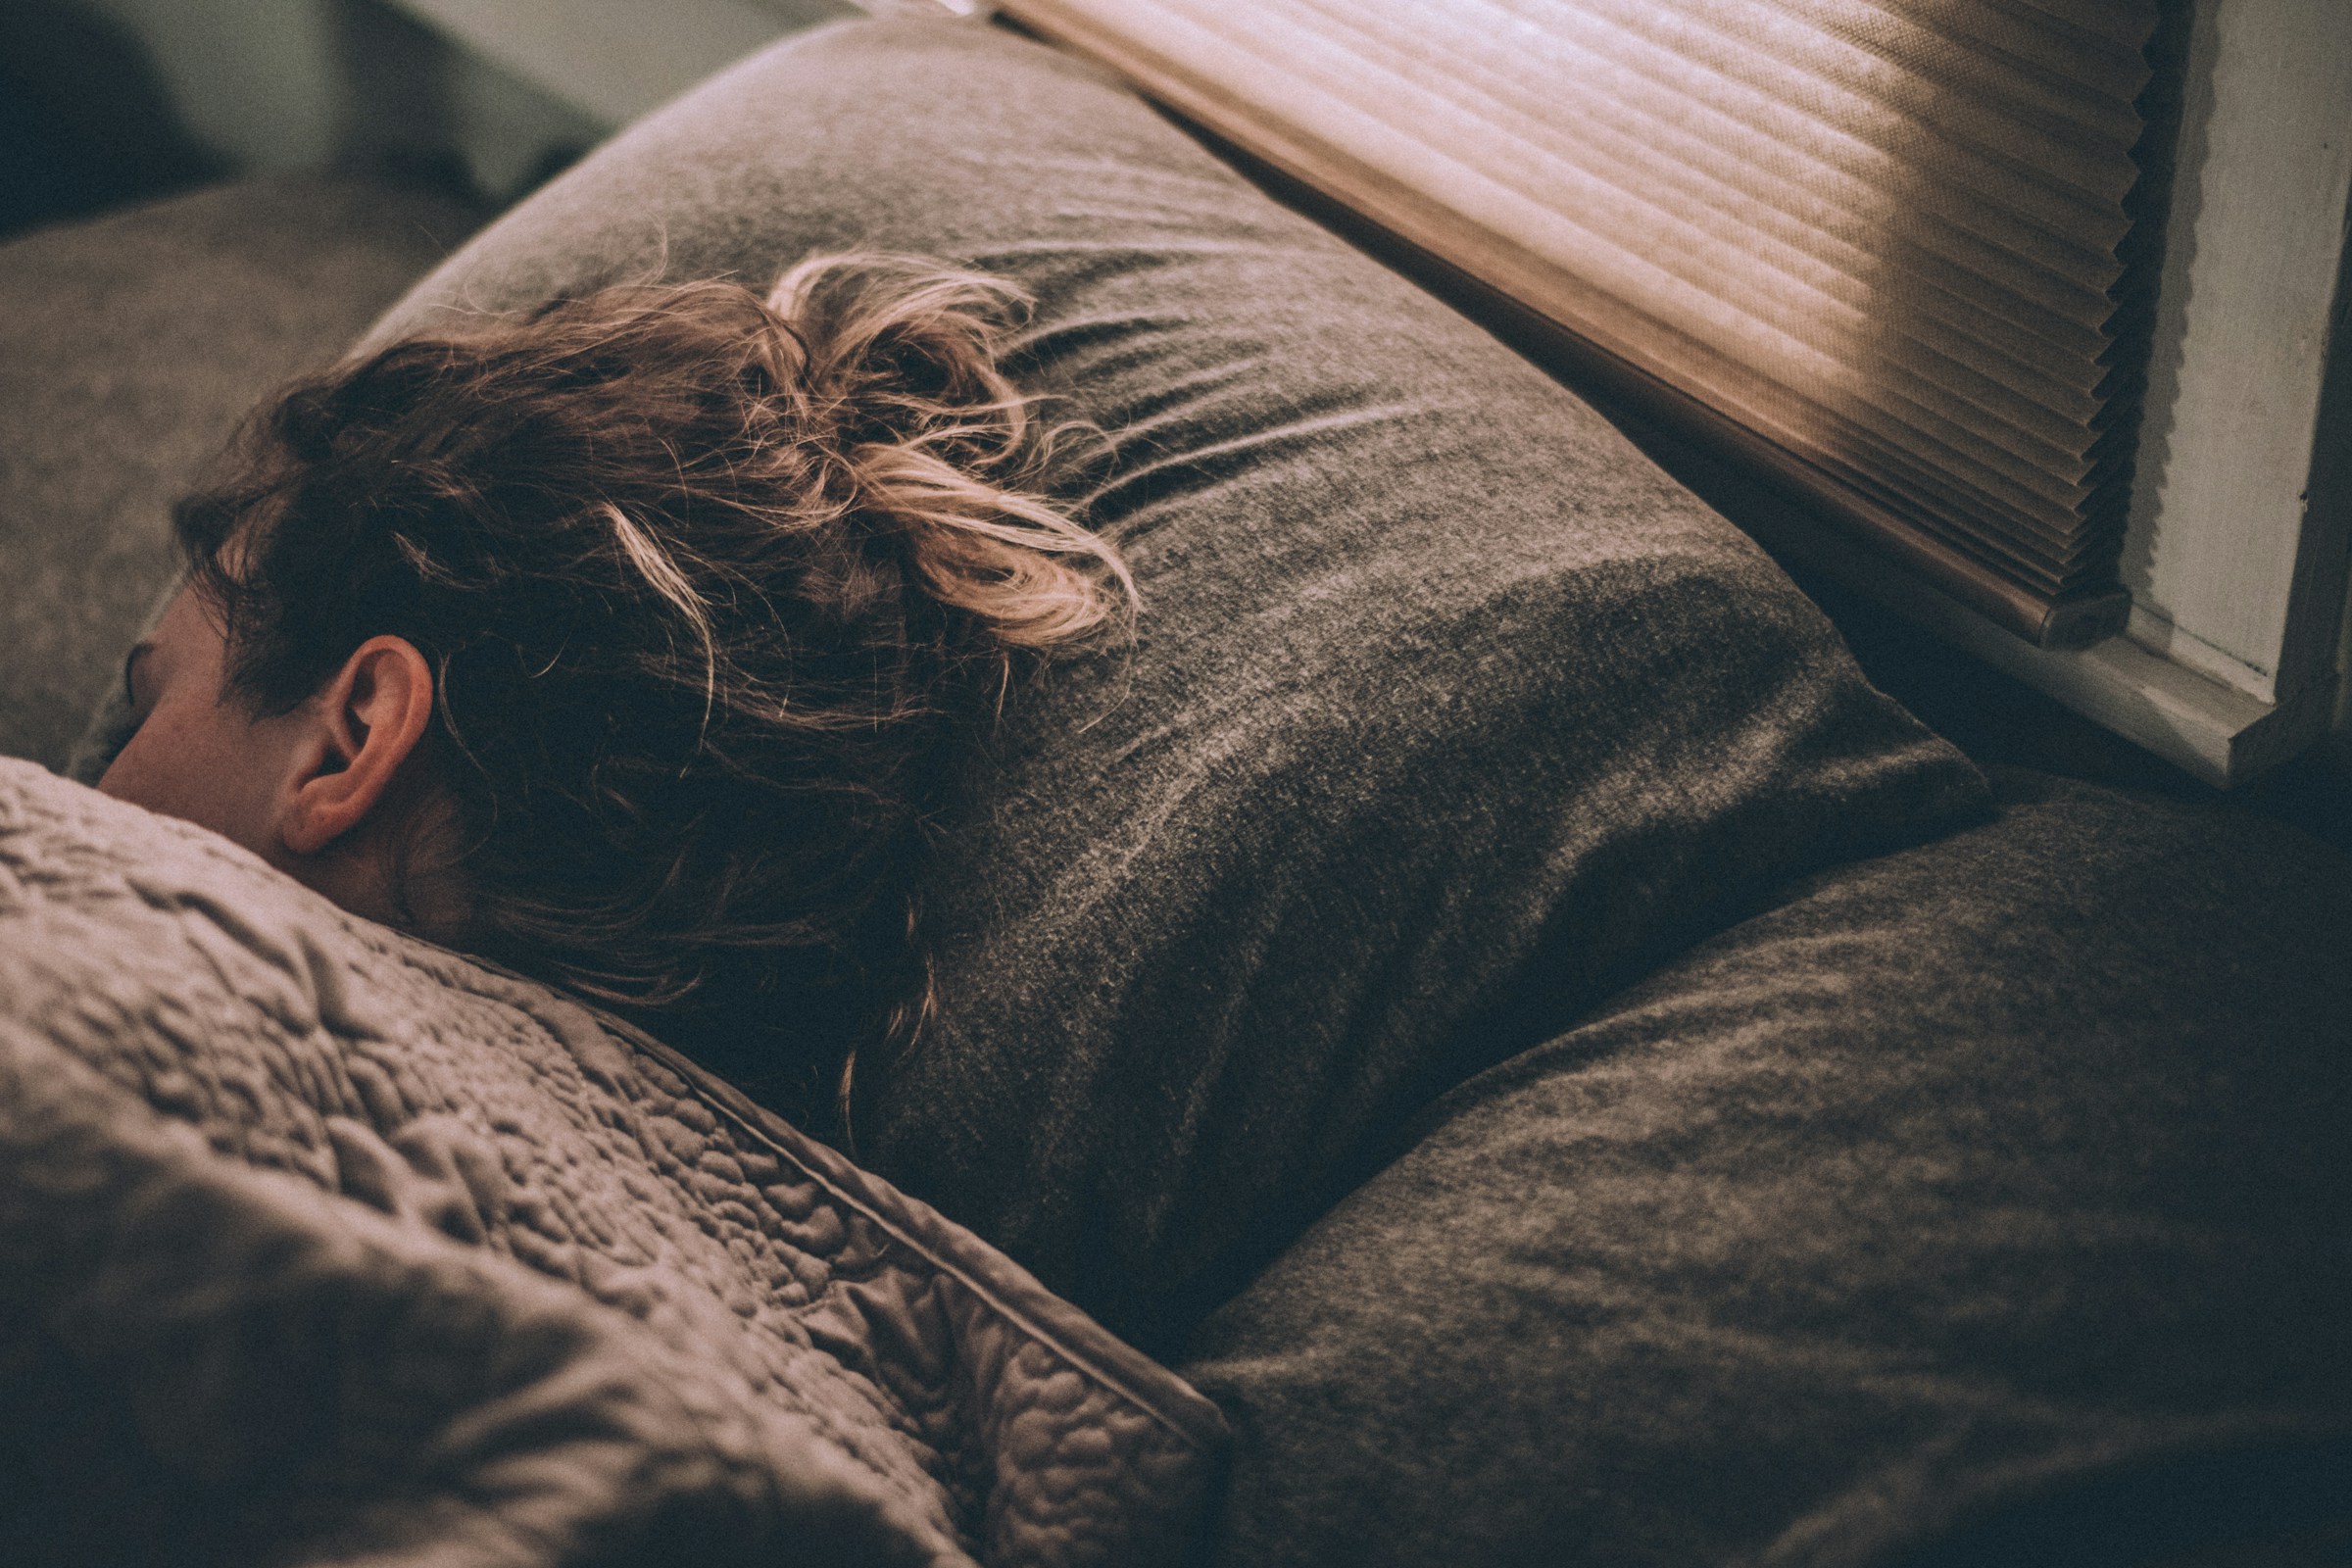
x,y
205,764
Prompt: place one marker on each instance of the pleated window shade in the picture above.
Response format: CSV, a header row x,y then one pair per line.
x,y
1880,243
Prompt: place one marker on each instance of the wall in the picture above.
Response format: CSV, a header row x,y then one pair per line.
x,y
307,83
617,59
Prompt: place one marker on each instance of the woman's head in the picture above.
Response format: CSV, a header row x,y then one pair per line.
x,y
702,595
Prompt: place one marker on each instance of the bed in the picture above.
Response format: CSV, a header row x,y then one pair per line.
x,y
1479,1037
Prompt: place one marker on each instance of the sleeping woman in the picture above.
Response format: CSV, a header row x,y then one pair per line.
x,y
638,645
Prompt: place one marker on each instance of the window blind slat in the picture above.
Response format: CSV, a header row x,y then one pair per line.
x,y
2021,257
1824,307
1773,221
1927,472
1699,69
2100,30
1660,262
1779,73
1984,63
1681,132
1885,236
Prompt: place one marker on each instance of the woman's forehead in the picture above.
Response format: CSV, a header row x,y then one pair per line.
x,y
189,631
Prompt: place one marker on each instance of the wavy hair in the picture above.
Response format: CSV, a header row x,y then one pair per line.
x,y
717,591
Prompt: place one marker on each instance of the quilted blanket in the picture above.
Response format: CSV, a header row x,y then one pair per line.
x,y
321,1244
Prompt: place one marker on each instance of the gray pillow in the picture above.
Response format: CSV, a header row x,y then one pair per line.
x,y
1985,1205
129,347
1441,689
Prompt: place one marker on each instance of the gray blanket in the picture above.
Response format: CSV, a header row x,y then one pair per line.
x,y
321,1244
1981,1205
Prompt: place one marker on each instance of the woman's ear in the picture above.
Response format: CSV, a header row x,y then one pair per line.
x,y
364,724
